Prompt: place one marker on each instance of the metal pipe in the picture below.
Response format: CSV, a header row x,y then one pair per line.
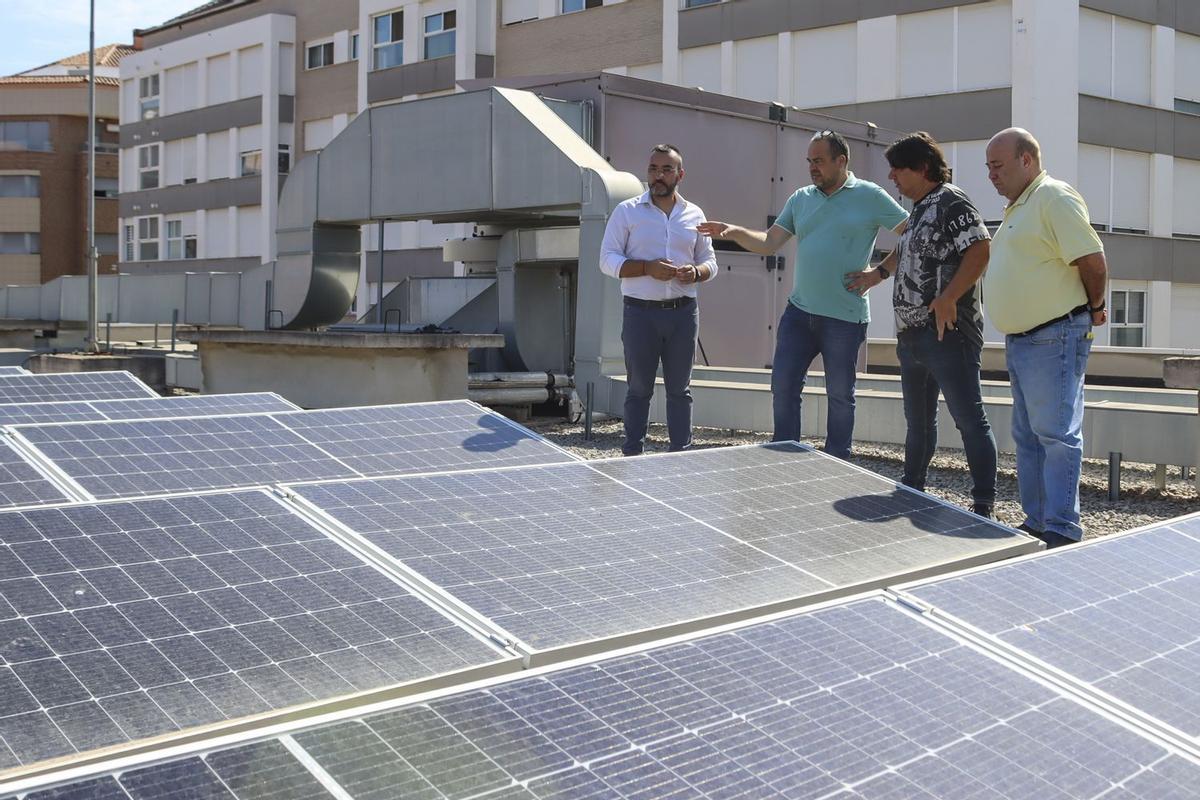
x,y
174,326
587,412
1114,476
483,380
92,344
379,303
517,396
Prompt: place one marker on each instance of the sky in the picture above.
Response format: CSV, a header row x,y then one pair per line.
x,y
36,32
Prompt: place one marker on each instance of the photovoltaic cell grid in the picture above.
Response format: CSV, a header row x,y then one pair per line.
x,y
559,554
819,513
6,371
424,437
21,484
141,408
120,621
854,701
132,458
72,386
127,459
1122,614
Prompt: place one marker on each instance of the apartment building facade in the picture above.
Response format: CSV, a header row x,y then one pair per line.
x,y
44,168
1110,87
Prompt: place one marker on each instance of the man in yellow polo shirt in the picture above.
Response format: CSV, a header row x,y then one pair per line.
x,y
1044,288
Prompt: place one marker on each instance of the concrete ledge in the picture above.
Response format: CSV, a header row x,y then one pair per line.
x,y
149,369
363,341
1182,373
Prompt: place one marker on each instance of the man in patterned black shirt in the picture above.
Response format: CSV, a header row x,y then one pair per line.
x,y
941,256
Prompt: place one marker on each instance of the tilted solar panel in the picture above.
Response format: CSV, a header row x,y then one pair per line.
x,y
126,620
1121,614
422,437
859,700
72,386
567,554
126,459
193,405
6,371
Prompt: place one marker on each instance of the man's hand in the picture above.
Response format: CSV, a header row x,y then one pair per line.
x,y
1099,318
861,281
717,230
945,314
689,273
662,269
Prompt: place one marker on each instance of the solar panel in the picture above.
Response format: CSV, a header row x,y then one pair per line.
x,y
127,620
565,554
72,386
829,517
422,437
859,700
559,554
126,459
193,406
37,413
1122,614
6,371
20,482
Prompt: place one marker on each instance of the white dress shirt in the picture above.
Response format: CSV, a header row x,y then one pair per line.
x,y
638,230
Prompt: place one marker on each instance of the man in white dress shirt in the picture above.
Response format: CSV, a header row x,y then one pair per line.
x,y
652,246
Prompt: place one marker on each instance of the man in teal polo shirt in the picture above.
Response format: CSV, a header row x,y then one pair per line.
x,y
835,221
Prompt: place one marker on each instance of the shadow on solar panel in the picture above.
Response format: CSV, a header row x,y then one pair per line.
x,y
1119,615
857,700
584,555
123,621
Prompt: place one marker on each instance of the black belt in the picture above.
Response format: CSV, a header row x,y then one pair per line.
x,y
1074,312
678,302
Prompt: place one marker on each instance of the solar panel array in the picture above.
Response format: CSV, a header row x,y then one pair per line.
x,y
126,620
565,554
860,700
142,457
43,388
142,408
1121,615
7,371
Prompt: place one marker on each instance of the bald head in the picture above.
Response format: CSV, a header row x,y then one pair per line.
x,y
1014,159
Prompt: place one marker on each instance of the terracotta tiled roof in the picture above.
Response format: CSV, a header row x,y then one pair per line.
x,y
109,55
65,80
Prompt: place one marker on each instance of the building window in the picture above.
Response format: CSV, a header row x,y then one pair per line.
x,y
25,136
695,3
1187,106
106,244
178,245
251,163
320,55
148,96
106,187
147,235
148,166
20,244
439,35
130,255
20,186
571,6
354,47
1127,323
388,40
285,159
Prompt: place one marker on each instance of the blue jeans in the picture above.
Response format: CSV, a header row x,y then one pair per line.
x,y
800,338
951,366
651,335
1046,370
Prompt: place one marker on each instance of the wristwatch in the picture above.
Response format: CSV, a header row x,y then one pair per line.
x,y
1099,308
883,272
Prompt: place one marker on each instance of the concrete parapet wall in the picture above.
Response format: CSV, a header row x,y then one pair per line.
x,y
149,369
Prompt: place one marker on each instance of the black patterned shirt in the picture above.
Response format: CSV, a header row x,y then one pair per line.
x,y
943,224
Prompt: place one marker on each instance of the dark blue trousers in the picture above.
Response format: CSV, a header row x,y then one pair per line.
x,y
651,336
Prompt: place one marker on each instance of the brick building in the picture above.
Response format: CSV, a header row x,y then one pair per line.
x,y
44,163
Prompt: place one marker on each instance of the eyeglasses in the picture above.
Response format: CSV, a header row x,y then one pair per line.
x,y
653,170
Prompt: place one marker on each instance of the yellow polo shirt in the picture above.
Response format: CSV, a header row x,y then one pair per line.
x,y
1029,278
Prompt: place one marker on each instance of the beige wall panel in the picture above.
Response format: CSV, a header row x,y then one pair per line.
x,y
824,66
568,43
20,214
1187,189
756,68
60,99
20,270
701,67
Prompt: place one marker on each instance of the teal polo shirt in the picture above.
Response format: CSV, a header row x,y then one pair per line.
x,y
835,234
